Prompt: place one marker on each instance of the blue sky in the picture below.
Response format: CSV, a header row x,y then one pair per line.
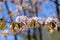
x,y
46,11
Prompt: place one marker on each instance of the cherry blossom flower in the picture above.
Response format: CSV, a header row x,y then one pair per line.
x,y
35,18
21,18
48,20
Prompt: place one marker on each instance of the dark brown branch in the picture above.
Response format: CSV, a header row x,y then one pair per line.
x,y
11,19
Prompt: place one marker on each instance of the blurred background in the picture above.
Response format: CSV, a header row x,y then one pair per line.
x,y
10,9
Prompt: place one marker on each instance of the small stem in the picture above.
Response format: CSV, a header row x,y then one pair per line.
x,y
34,34
5,38
29,38
40,32
15,37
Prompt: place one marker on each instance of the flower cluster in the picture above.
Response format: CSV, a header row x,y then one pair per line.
x,y
23,23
